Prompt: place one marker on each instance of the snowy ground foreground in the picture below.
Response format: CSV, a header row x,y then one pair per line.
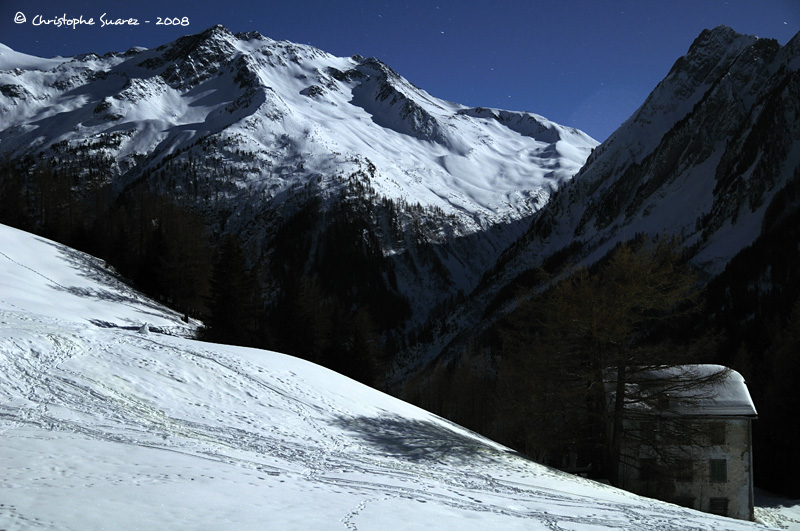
x,y
105,426
777,512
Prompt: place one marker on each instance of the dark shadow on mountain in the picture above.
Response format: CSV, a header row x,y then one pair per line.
x,y
417,440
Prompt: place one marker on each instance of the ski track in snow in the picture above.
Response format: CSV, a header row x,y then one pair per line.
x,y
103,427
65,384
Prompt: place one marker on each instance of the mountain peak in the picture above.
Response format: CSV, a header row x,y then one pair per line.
x,y
260,120
719,39
193,58
714,45
249,35
189,43
217,29
721,32
699,139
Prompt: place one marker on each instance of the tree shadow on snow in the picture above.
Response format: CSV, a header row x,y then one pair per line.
x,y
417,440
113,286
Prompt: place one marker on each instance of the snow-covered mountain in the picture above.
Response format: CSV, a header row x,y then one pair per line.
x,y
701,159
109,421
247,129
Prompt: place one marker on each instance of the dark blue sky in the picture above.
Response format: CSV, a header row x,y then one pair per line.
x,y
584,63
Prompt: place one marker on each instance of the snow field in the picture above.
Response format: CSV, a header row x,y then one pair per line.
x,y
104,426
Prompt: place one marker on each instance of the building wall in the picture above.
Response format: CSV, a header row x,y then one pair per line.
x,y
691,464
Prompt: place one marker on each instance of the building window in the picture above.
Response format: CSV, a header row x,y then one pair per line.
x,y
685,433
647,469
718,506
684,470
716,433
718,470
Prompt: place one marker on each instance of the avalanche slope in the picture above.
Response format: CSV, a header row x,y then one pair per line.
x,y
109,424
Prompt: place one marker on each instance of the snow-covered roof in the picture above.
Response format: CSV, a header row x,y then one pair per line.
x,y
700,390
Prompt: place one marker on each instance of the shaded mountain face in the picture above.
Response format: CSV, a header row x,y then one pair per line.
x,y
249,131
707,158
712,157
702,158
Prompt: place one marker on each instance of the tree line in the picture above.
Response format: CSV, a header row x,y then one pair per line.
x,y
545,368
537,379
321,291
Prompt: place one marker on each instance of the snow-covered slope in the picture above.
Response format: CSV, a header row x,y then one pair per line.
x,y
296,112
11,59
118,427
55,280
702,158
247,129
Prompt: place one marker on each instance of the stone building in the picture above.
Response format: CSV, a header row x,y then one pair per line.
x,y
687,439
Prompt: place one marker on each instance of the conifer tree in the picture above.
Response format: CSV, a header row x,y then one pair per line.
x,y
233,310
564,345
182,263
